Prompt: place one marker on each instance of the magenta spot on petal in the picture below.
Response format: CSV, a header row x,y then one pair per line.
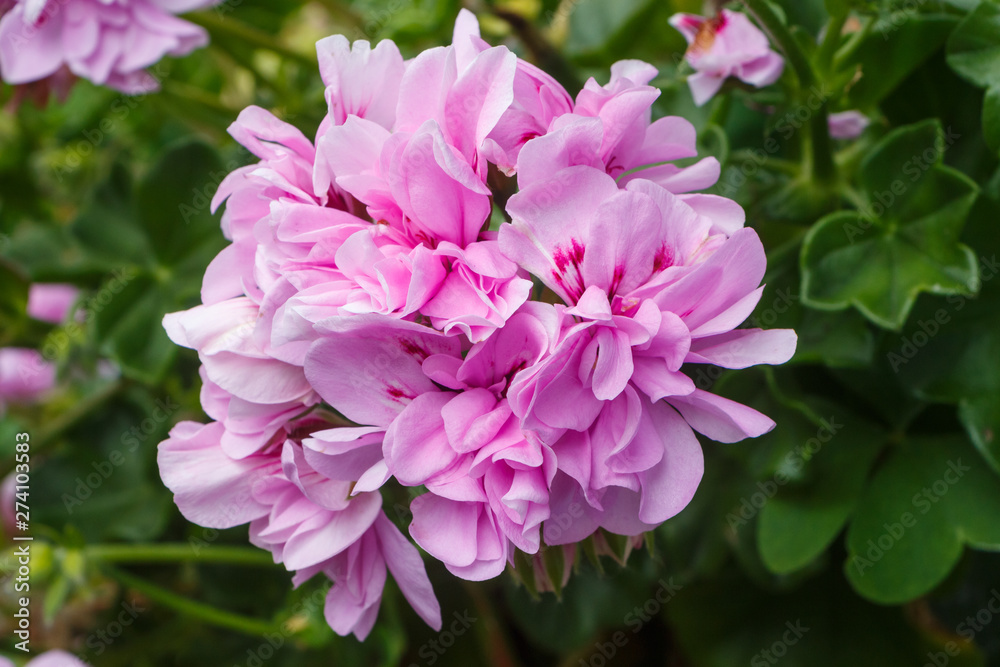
x,y
664,258
561,260
616,279
526,137
413,349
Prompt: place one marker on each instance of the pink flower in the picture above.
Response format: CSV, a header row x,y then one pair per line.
x,y
848,124
610,127
651,281
51,302
109,43
8,488
309,522
24,375
48,659
652,284
222,334
363,279
724,46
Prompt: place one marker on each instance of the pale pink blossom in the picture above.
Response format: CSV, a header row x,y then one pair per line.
x,y
848,124
50,302
53,658
726,45
110,43
25,375
310,523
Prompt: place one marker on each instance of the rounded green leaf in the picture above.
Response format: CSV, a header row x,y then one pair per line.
x,y
974,46
932,497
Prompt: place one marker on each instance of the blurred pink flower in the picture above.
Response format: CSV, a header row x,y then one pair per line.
x,y
50,302
724,46
25,375
108,42
49,659
848,124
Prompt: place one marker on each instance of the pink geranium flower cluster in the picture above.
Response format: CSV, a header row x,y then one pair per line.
x,y
377,322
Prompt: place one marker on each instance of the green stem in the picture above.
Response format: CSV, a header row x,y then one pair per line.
x,y
831,40
816,153
248,35
199,610
789,402
86,407
853,43
178,553
199,97
720,111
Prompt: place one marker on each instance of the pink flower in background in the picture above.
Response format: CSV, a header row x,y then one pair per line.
x,y
848,124
109,43
25,375
50,302
8,518
376,326
724,46
48,659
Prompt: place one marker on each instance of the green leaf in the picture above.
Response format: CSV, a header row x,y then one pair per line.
x,y
974,46
131,331
13,300
905,239
837,7
893,51
728,621
951,353
991,117
173,200
932,497
107,227
981,416
810,469
801,521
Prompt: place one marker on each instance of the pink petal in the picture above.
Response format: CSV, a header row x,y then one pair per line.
x,y
719,418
